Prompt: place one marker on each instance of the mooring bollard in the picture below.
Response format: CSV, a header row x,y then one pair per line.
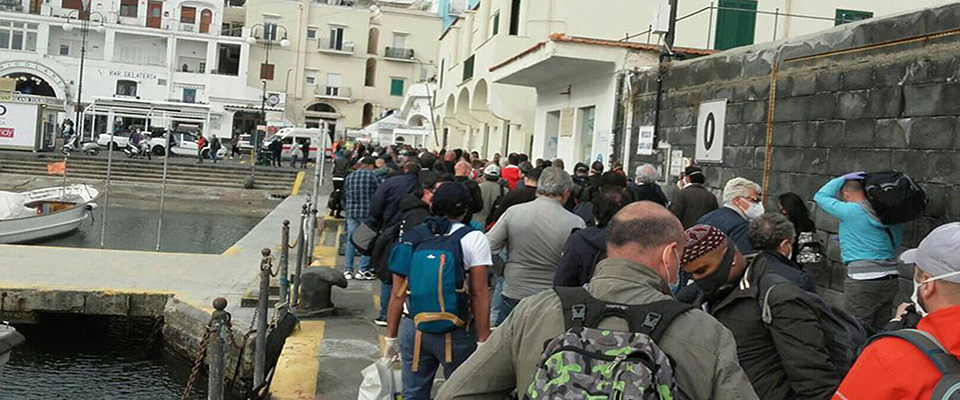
x,y
312,234
260,348
215,355
301,246
282,277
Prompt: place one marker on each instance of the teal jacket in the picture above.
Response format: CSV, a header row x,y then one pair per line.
x,y
862,235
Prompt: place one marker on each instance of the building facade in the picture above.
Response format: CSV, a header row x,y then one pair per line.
x,y
180,51
346,64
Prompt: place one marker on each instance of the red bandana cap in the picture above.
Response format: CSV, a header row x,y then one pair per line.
x,y
701,240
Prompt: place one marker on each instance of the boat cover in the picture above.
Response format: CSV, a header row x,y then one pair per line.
x,y
11,206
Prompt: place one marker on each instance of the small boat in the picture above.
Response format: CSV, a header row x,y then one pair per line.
x,y
44,213
9,340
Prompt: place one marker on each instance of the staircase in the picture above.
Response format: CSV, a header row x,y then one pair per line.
x,y
179,171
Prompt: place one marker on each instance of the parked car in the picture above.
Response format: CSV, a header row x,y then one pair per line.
x,y
288,136
121,139
185,144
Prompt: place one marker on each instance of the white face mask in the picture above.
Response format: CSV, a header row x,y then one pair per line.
x,y
915,297
754,211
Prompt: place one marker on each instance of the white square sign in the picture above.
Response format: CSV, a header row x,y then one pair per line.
x,y
710,131
645,141
18,125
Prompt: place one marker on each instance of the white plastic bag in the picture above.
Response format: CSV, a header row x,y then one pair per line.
x,y
381,381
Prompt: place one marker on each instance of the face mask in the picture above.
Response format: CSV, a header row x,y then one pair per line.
x,y
714,283
754,211
915,297
676,285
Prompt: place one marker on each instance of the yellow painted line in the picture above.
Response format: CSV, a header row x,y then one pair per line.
x,y
383,342
297,182
299,363
376,301
232,250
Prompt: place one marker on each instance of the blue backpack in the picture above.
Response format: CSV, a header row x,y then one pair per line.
x,y
432,262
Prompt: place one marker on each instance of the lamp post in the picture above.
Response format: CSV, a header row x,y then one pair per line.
x,y
268,33
84,28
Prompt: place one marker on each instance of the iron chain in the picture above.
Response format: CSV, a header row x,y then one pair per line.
x,y
198,362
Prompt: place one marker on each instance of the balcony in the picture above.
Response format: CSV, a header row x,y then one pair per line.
x,y
330,46
332,92
398,54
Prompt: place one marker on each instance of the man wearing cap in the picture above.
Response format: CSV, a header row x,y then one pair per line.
x,y
359,188
786,356
892,368
450,201
693,200
490,191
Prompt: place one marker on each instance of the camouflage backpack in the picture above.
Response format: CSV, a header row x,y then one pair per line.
x,y
589,363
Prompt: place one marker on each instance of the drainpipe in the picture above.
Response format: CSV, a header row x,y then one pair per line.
x,y
656,110
618,122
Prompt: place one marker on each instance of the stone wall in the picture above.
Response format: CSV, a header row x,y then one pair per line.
x,y
866,96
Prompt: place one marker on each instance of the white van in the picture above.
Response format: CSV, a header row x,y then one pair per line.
x,y
289,136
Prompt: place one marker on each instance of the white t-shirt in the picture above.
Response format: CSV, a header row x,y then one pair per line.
x,y
475,246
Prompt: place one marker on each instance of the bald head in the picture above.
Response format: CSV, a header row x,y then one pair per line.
x,y
647,234
450,155
462,168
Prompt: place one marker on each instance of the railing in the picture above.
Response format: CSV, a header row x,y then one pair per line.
x,y
188,27
399,53
234,32
326,44
336,92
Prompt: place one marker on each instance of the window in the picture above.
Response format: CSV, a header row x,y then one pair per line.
x,y
514,17
495,23
587,115
126,88
311,78
468,69
18,36
336,38
399,40
128,8
188,15
735,28
333,84
72,4
270,28
189,95
442,61
396,87
64,49
311,33
845,16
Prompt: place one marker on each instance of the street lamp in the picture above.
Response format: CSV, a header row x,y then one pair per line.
x,y
84,28
268,32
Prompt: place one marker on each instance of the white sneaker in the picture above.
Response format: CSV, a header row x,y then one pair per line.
x,y
347,275
365,276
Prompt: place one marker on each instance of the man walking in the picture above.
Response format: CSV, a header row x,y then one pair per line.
x,y
490,191
867,247
359,189
214,148
693,200
892,367
741,204
535,234
643,259
305,153
646,188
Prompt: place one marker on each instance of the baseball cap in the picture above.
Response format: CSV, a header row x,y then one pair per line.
x,y
938,253
581,167
368,160
491,169
451,194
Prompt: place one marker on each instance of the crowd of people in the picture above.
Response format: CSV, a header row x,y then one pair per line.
x,y
487,265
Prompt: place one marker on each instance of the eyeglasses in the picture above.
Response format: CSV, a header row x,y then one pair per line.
x,y
751,199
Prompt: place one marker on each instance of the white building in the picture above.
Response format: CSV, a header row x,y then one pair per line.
x,y
410,124
187,51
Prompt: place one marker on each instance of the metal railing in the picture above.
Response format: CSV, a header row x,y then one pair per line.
x,y
399,53
330,45
338,92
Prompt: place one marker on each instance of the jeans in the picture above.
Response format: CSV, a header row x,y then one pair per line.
x,y
506,307
293,161
385,289
417,385
496,302
351,250
213,155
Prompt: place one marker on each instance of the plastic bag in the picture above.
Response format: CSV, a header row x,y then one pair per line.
x,y
381,381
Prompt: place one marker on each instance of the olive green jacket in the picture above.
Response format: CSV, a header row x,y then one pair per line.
x,y
704,352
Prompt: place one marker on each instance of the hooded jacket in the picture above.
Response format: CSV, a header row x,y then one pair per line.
x,y
385,208
584,249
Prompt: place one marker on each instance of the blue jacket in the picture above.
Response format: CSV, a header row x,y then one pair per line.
x,y
385,207
862,236
730,222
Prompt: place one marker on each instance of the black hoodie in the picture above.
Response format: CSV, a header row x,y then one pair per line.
x,y
583,250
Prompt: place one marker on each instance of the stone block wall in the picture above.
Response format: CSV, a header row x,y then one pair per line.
x,y
876,95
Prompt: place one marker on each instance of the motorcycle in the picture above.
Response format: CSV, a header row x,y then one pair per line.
x,y
87,147
137,151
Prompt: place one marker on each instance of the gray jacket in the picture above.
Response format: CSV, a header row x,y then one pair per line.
x,y
704,352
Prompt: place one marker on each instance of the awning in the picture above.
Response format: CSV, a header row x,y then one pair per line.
x,y
250,107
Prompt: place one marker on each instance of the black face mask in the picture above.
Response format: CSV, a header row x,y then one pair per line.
x,y
715,284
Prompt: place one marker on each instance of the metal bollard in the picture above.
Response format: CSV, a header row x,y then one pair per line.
x,y
215,356
312,234
295,290
260,348
282,277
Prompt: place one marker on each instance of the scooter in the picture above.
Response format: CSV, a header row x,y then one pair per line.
x,y
88,147
137,151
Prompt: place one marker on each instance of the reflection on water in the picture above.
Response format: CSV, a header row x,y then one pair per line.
x,y
95,357
133,229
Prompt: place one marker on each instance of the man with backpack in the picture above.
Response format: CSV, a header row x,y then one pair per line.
x,y
781,343
922,363
644,249
439,292
868,249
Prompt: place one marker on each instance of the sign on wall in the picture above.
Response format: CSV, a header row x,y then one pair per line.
x,y
18,125
566,122
645,141
710,131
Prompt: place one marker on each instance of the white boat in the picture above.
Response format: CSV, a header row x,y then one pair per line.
x,y
9,340
44,213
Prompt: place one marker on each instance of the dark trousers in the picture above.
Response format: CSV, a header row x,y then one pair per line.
x,y
871,301
235,150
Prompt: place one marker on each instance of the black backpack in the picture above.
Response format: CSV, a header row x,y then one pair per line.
x,y
948,387
895,197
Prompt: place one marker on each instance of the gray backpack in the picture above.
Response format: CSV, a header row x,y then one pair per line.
x,y
948,387
586,362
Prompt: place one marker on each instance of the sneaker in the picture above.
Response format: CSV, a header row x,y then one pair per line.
x,y
380,321
348,275
365,275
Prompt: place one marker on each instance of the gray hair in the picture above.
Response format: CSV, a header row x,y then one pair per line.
x,y
553,182
768,231
738,187
647,174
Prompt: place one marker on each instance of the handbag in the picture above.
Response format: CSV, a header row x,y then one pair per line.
x,y
364,237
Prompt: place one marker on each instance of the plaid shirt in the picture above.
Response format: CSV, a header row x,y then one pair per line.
x,y
359,188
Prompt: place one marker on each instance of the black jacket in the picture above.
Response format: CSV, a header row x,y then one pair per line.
x,y
476,204
647,192
341,167
691,203
385,208
735,226
413,212
786,268
583,250
516,196
786,359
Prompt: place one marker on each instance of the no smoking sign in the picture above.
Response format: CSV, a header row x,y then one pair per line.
x,y
710,131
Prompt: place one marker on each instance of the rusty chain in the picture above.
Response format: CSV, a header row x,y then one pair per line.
x,y
198,362
295,242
